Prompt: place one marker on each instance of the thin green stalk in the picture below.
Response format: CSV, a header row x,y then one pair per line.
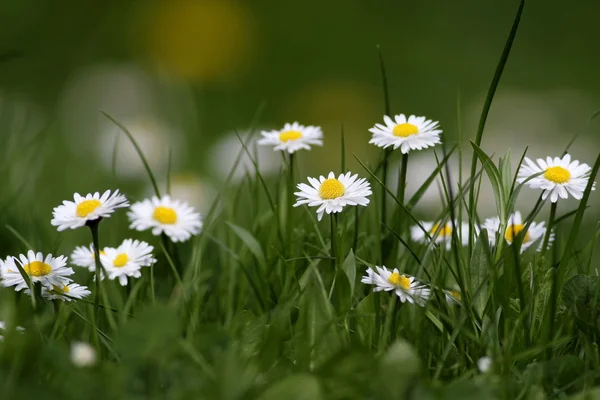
x,y
486,109
387,325
289,204
401,190
163,244
333,231
551,218
93,225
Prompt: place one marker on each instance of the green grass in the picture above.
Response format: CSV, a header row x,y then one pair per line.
x,y
266,303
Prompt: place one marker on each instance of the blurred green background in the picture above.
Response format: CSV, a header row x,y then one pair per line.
x,y
183,75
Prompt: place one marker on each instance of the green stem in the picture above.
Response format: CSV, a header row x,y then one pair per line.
x,y
333,231
389,316
93,225
289,206
551,218
401,190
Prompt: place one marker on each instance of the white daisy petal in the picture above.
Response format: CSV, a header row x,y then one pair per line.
x,y
292,137
66,292
75,214
444,234
515,226
561,177
406,287
332,194
49,271
412,133
127,260
174,218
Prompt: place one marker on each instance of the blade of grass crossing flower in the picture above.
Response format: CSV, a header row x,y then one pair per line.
x,y
423,188
488,103
138,151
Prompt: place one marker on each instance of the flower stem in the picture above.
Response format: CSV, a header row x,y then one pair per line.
x,y
93,225
401,190
333,230
387,326
289,202
553,207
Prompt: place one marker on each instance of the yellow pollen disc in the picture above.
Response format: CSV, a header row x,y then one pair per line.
x,y
513,230
64,289
445,231
121,260
86,207
165,215
37,268
557,175
455,294
331,189
405,130
290,135
399,280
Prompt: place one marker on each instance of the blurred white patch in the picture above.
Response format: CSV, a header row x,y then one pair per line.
x,y
154,139
82,354
223,154
153,109
484,364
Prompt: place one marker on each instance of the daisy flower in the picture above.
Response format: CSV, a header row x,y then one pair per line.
x,y
49,271
331,195
127,260
406,287
292,137
444,235
67,292
75,214
414,133
515,225
174,218
561,177
84,257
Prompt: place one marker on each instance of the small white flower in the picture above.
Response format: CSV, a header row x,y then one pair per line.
x,y
84,257
49,271
293,137
484,364
68,292
561,177
331,195
405,286
414,133
453,297
127,260
444,235
75,214
82,354
175,218
514,226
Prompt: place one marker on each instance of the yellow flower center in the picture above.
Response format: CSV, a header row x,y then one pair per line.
x,y
405,130
455,294
64,289
445,231
331,189
399,280
513,230
37,268
557,175
165,215
86,207
290,135
121,260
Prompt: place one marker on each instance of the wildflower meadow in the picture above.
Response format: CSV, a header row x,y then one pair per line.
x,y
304,286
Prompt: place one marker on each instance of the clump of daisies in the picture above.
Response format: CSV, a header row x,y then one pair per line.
x,y
77,213
127,260
332,194
444,233
514,227
84,257
174,218
292,137
559,177
405,286
412,133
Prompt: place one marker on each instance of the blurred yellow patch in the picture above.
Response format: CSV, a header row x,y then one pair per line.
x,y
199,40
